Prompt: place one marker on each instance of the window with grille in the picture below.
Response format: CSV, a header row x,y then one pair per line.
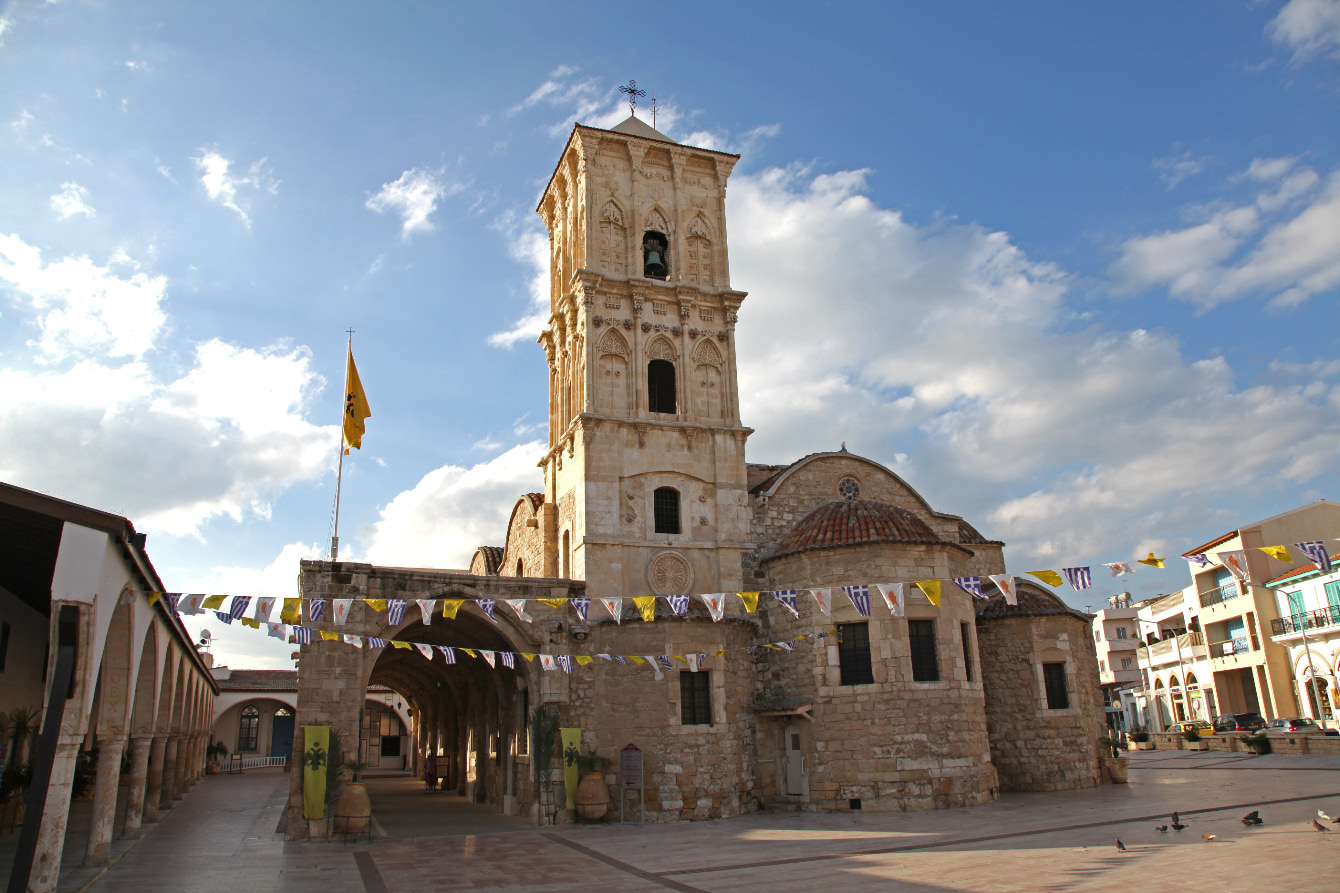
x,y
854,654
1121,632
1125,663
248,731
695,698
965,635
661,386
665,508
921,640
1053,678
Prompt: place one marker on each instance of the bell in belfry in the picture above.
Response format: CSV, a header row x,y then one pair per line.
x,y
653,256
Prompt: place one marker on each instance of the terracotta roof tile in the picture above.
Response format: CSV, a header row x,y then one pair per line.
x,y
493,556
1310,567
536,499
968,536
260,680
842,523
1034,601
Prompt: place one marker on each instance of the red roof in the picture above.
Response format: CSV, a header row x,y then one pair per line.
x,y
1298,572
858,522
260,680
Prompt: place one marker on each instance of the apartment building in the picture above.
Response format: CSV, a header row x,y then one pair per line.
x,y
1308,628
1115,637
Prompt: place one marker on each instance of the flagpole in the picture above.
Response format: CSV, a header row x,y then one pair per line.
x,y
339,478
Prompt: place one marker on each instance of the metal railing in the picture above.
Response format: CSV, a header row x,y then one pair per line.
x,y
237,764
1185,642
1232,647
1222,594
1319,618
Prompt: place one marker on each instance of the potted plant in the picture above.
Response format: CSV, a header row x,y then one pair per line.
x,y
1114,766
1194,741
1258,743
1140,738
593,796
216,752
353,810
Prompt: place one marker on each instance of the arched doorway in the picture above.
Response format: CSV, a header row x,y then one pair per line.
x,y
281,734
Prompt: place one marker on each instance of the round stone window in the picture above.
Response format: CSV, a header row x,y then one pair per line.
x,y
849,489
669,573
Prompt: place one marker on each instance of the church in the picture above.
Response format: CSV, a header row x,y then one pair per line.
x,y
793,697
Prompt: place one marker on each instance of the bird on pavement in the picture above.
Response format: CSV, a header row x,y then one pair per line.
x,y
1319,826
1208,836
1253,818
1177,827
1162,829
1175,819
1324,817
1121,846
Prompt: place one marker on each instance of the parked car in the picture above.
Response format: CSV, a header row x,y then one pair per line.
x,y
1200,725
1239,722
1297,726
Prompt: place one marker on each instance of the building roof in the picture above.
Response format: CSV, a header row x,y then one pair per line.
x,y
968,536
493,556
536,499
1300,572
635,126
858,522
1033,601
259,680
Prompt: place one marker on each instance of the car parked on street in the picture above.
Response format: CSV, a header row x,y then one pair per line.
x,y
1239,722
1200,725
1296,726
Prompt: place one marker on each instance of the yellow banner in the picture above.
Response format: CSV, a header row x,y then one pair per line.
x,y
637,660
247,621
647,605
585,659
356,409
376,604
1279,553
529,656
328,635
396,643
213,603
291,613
316,751
1152,561
469,651
154,597
450,606
932,590
750,600
556,603
1051,578
572,744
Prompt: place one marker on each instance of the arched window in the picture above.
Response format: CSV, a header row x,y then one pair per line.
x,y
564,561
655,256
248,731
665,506
519,568
661,386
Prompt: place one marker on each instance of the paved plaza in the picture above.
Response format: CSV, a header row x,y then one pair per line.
x,y
222,837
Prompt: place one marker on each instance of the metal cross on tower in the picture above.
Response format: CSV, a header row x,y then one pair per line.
x,y
633,93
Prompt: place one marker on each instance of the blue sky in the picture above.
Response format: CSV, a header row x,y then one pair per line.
x,y
1070,269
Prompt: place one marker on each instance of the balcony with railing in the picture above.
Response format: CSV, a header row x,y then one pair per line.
x,y
1224,593
1321,618
1235,647
1188,646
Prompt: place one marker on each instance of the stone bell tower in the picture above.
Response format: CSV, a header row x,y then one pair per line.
x,y
646,450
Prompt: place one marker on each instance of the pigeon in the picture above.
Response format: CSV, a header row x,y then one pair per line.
x,y
1162,829
1319,826
1175,820
1253,818
1121,847
1177,827
1208,836
1324,817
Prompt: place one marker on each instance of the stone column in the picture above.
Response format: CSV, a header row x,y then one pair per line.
x,y
55,815
104,800
179,770
153,788
169,790
140,746
193,767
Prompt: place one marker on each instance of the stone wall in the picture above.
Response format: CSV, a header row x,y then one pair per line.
x,y
1035,748
526,542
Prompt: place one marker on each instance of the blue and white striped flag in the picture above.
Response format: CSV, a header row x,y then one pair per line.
x,y
785,646
664,661
1316,550
374,642
486,605
678,603
582,605
788,599
223,617
396,610
1199,560
172,598
448,652
239,605
860,598
970,585
1078,577
565,661
316,609
508,659
302,635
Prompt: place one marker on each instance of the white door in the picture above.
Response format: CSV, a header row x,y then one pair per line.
x,y
795,762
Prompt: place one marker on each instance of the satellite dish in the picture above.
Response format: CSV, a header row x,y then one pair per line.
x,y
205,636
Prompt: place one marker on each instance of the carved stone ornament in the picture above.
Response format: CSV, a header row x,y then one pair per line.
x,y
637,305
612,213
641,433
660,349
685,306
693,331
706,353
699,226
612,342
597,320
646,327
628,324
669,573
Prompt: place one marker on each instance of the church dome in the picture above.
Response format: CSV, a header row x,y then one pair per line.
x,y
857,522
1033,601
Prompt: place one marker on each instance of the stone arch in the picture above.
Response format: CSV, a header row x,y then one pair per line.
x,y
114,682
612,240
146,684
613,383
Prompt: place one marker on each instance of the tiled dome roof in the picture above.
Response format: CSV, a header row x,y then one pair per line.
x,y
493,556
1034,601
857,522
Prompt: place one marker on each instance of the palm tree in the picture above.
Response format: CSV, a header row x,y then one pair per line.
x,y
23,726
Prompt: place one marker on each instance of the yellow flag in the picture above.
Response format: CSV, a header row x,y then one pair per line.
x,y
1152,561
328,635
572,742
247,621
932,590
214,602
680,658
316,751
750,600
647,605
450,606
585,659
469,651
376,604
1277,552
637,660
355,406
529,656
153,598
556,603
396,643
1051,578
720,652
291,613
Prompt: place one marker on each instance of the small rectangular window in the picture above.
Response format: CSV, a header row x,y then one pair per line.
x,y
1102,666
1125,663
921,640
1053,677
1121,632
1098,635
665,507
695,698
854,653
966,636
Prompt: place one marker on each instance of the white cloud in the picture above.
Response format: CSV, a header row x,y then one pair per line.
x,y
231,190
532,249
70,201
413,196
137,65
1309,28
1283,246
84,308
585,100
1173,169
453,510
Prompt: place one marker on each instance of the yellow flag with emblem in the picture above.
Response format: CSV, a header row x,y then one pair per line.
x,y
214,602
750,600
356,410
315,755
932,590
291,613
646,604
1051,578
450,606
